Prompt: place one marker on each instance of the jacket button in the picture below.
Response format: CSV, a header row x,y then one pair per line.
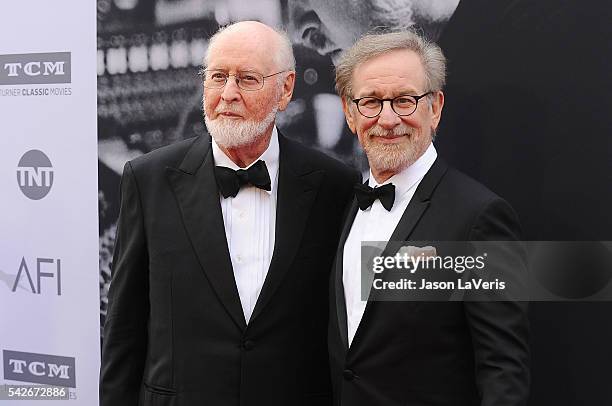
x,y
348,374
248,345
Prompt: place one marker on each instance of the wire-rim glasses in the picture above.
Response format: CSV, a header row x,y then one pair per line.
x,y
245,80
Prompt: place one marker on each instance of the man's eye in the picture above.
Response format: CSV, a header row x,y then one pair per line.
x,y
370,103
404,101
217,76
249,78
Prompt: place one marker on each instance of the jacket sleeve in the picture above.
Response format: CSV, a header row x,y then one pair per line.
x,y
125,332
499,329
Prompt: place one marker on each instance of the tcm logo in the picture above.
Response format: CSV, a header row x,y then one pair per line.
x,y
39,368
35,174
41,68
31,277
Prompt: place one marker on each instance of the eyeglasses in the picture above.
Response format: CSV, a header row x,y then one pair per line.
x,y
403,105
246,80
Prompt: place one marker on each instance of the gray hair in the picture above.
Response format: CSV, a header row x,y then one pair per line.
x,y
284,58
372,45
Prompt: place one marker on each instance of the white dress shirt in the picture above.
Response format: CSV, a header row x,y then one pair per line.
x,y
250,220
377,224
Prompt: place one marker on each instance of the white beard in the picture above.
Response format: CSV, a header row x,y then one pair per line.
x,y
230,133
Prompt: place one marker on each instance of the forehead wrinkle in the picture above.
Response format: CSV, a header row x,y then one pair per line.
x,y
243,43
230,55
386,86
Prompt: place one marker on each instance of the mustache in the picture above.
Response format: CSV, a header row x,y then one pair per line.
x,y
378,131
229,109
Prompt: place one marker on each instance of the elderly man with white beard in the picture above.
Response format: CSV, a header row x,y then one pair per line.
x,y
398,353
219,292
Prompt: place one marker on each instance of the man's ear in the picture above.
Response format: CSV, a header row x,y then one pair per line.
x,y
436,108
287,92
348,114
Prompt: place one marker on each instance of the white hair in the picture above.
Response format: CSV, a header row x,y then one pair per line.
x,y
283,57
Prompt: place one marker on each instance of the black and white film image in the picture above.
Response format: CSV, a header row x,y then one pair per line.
x,y
526,113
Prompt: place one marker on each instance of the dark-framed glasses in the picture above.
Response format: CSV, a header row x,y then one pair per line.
x,y
246,80
403,105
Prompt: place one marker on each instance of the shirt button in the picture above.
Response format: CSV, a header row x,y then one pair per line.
x,y
241,214
348,374
239,258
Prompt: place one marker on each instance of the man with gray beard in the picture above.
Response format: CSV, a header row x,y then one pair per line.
x,y
397,353
219,293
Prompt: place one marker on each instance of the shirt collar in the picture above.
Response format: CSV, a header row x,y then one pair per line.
x,y
270,156
410,176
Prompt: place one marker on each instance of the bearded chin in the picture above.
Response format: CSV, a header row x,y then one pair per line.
x,y
394,157
230,133
385,158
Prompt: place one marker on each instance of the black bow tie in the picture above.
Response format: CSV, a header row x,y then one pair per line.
x,y
230,181
367,195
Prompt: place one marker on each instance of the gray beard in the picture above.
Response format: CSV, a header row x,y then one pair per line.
x,y
392,157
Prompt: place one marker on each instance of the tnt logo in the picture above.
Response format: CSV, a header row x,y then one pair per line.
x,y
35,174
39,368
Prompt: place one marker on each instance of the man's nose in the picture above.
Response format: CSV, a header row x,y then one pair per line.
x,y
388,118
231,91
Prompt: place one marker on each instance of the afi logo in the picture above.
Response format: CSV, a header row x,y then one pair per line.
x,y
45,268
39,368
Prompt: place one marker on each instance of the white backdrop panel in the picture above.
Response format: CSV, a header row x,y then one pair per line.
x,y
49,281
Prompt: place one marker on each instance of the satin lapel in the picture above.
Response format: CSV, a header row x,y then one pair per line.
x,y
297,188
413,213
419,202
338,272
197,195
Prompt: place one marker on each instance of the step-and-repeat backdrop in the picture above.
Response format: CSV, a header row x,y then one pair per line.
x,y
49,302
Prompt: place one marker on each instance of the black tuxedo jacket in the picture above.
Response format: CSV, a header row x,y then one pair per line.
x,y
175,332
434,353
